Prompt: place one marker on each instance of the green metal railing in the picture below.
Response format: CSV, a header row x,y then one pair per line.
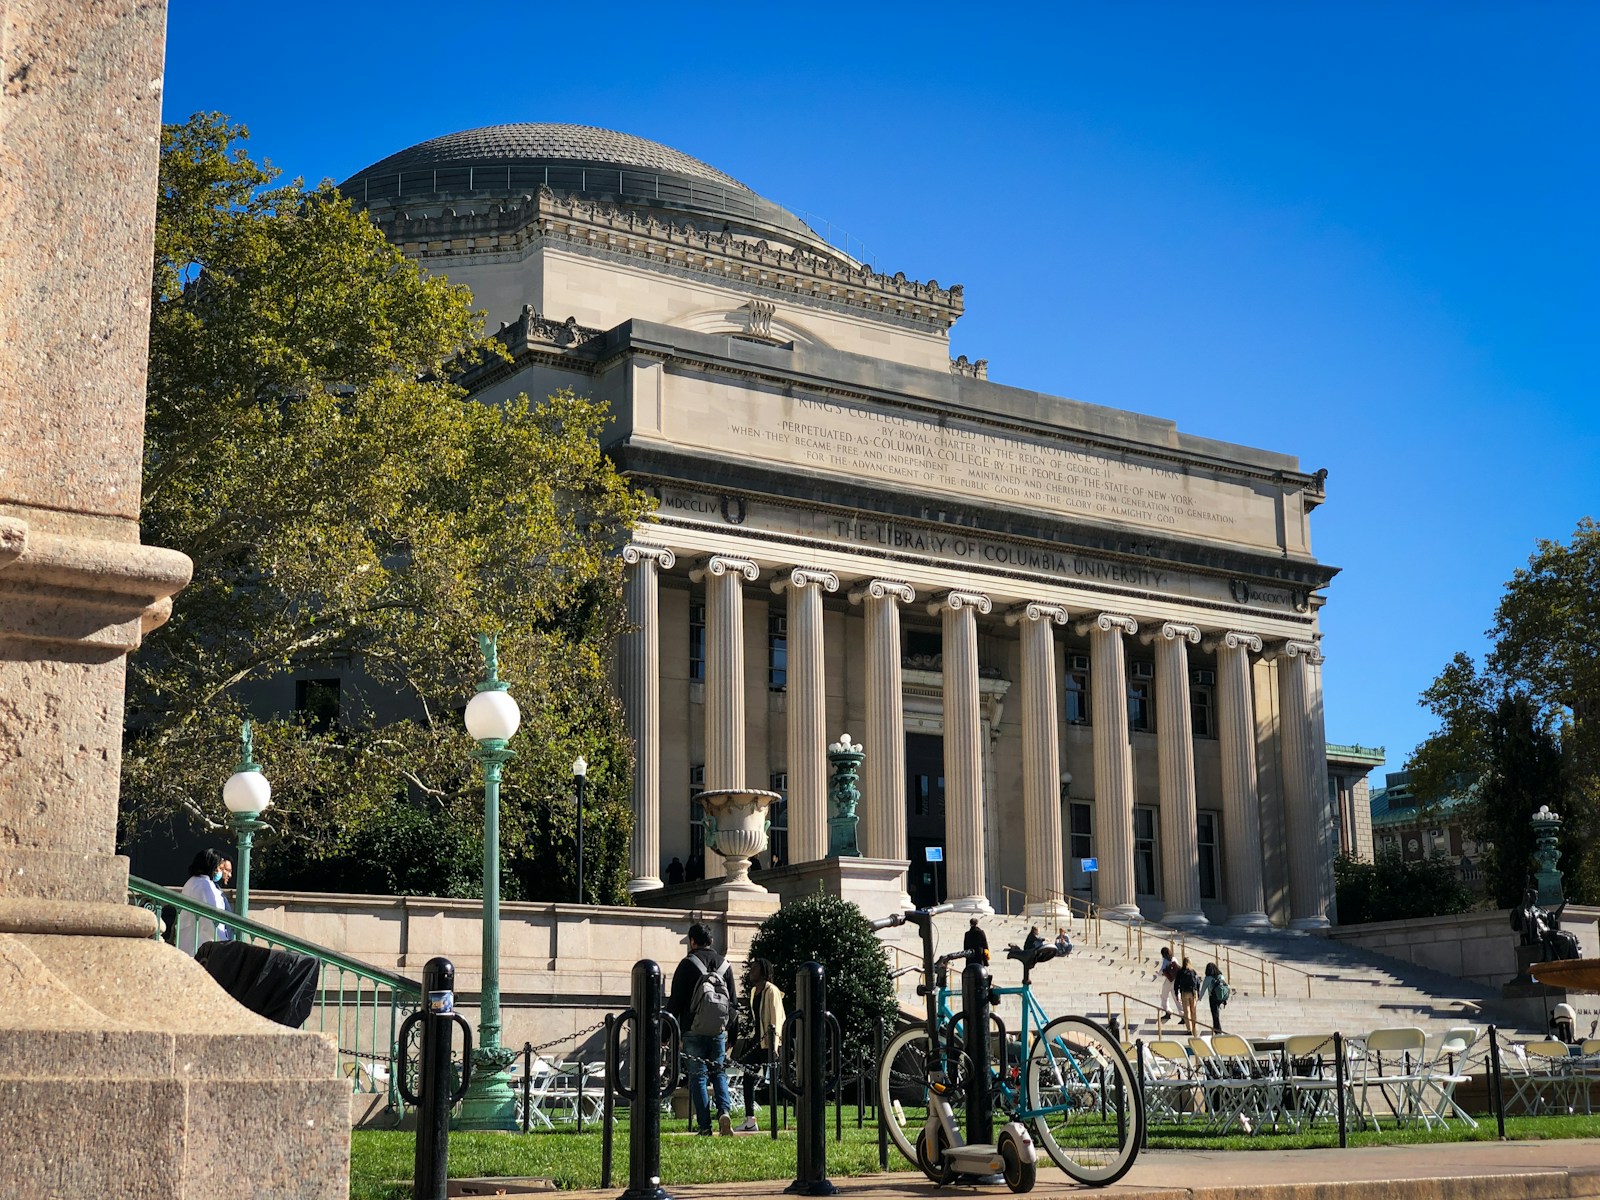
x,y
360,1004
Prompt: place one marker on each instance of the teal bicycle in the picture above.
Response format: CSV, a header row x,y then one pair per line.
x,y
1074,1087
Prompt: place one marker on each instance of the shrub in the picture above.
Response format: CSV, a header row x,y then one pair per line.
x,y
833,932
1392,889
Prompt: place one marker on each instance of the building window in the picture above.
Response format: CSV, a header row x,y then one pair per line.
x,y
697,641
1080,818
1144,851
1077,689
777,651
697,816
317,703
924,789
1206,835
1203,703
778,814
1141,707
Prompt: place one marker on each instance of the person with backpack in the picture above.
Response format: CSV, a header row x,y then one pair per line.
x,y
1187,985
702,1000
1215,989
1166,971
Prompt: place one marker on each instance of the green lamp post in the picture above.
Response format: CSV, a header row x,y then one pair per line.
x,y
492,718
247,795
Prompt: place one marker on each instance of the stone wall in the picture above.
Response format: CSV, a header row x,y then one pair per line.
x,y
1479,946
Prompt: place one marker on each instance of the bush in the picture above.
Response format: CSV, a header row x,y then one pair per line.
x,y
833,932
1392,889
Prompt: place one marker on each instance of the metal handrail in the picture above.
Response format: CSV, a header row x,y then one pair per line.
x,y
344,997
1076,908
1162,1015
1266,969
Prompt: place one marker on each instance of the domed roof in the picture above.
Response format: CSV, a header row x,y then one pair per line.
x,y
547,142
598,164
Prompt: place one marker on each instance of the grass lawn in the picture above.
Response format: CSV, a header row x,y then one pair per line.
x,y
381,1159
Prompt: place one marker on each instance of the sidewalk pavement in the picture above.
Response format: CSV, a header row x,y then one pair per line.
x,y
1528,1170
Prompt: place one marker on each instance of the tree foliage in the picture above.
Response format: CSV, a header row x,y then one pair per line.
x,y
833,932
346,506
1392,889
1524,730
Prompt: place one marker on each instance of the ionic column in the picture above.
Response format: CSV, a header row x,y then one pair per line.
x,y
1113,758
640,677
883,823
808,717
963,750
1305,807
1180,843
1041,759
725,668
1241,800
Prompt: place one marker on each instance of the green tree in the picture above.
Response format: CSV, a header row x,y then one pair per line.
x,y
1524,730
833,932
1391,889
345,504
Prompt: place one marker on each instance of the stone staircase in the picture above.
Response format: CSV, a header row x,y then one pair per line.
x,y
1281,982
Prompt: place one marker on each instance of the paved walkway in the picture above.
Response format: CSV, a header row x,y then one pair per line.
x,y
1548,1170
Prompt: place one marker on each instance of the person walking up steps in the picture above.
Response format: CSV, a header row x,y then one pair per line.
x,y
1187,985
1167,972
1215,989
702,1000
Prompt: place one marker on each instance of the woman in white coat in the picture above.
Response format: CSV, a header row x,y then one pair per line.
x,y
205,873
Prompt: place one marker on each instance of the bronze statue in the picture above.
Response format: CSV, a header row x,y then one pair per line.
x,y
1541,927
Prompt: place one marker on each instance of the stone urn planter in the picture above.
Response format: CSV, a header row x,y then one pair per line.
x,y
740,833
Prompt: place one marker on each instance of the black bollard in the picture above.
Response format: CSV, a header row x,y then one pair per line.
x,y
1498,1096
805,1051
883,1101
608,1108
433,1098
975,1022
1338,1088
651,1028
527,1084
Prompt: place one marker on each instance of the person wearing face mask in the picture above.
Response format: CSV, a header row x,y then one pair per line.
x,y
205,873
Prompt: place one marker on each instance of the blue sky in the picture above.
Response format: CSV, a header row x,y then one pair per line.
x,y
1361,233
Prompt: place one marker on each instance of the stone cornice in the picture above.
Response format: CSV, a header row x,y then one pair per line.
x,y
755,263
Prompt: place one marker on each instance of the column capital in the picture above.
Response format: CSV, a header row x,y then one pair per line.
x,y
956,601
1106,622
1232,639
721,564
877,589
1171,631
803,577
635,552
1037,610
1292,648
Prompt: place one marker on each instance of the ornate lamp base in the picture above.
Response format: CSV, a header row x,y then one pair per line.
x,y
491,1100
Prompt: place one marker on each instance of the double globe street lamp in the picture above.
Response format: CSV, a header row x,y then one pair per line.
x,y
247,795
492,719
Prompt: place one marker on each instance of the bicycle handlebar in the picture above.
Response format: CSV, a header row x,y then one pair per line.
x,y
894,919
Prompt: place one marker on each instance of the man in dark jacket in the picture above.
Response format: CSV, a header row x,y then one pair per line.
x,y
704,1049
976,939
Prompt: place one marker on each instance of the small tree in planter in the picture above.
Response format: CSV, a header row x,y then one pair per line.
x,y
833,932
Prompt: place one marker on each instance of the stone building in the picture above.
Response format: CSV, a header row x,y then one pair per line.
x,y
1062,632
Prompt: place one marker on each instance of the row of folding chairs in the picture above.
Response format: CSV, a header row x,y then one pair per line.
x,y
1545,1077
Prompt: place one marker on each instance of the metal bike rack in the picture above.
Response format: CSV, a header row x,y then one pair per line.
x,y
651,1079
811,1046
433,1098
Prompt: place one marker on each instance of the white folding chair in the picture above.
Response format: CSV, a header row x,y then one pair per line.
x,y
1172,1093
1551,1084
540,1079
1260,1085
1444,1070
1391,1069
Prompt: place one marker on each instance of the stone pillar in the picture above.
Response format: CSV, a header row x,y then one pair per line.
x,y
640,672
1180,843
883,825
124,1069
1241,801
1113,758
963,750
1041,760
1305,807
725,668
808,716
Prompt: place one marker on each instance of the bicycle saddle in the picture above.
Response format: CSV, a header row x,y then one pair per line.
x,y
1031,958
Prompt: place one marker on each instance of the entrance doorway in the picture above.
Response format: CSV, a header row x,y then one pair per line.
x,y
925,880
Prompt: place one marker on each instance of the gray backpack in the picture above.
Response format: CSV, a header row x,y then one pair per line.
x,y
710,1004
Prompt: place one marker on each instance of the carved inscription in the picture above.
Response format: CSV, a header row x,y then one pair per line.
x,y
914,452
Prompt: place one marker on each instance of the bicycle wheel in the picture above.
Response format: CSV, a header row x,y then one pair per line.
x,y
903,1089
1087,1108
